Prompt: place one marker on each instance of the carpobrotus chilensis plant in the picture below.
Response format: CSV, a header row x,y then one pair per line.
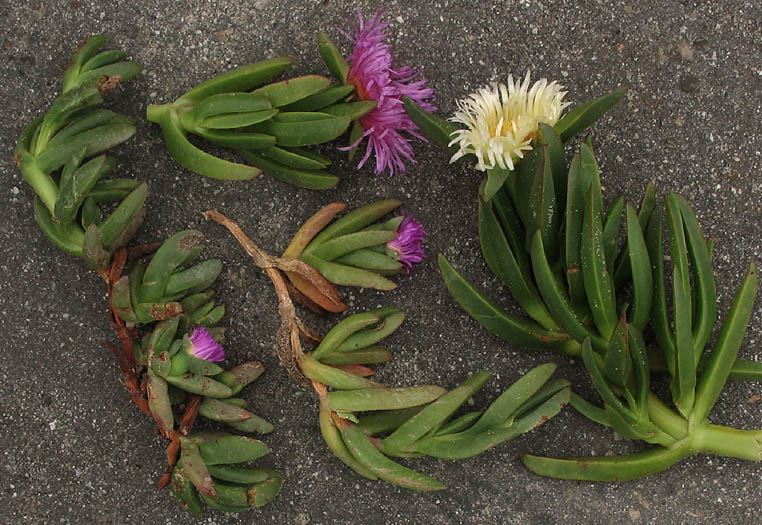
x,y
56,156
589,291
163,313
271,124
366,423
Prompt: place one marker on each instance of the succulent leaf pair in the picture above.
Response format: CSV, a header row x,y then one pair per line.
x,y
213,467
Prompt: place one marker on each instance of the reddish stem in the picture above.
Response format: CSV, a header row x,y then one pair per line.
x,y
132,370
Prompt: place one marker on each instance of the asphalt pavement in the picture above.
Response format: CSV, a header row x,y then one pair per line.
x,y
75,450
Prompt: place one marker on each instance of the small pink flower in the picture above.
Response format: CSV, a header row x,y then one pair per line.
x,y
375,78
203,346
408,246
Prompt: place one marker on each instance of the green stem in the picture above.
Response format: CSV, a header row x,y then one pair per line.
x,y
726,441
154,112
666,419
42,183
609,468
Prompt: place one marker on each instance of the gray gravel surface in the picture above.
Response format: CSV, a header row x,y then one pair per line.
x,y
74,448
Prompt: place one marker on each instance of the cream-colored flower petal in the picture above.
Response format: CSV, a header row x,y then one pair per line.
x,y
502,119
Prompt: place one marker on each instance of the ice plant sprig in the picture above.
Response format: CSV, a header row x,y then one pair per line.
x,y
358,249
213,469
160,311
621,372
371,69
271,124
366,423
268,124
169,353
502,124
545,234
56,156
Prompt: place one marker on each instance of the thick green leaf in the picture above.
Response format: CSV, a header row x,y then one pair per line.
x,y
244,78
514,232
611,233
435,128
684,379
549,138
237,120
499,256
289,91
575,214
514,396
556,301
112,228
350,242
496,177
504,325
618,361
705,300
599,286
348,275
434,414
583,116
720,361
659,314
640,267
322,99
297,158
333,59
305,133
353,221
352,110
609,468
311,179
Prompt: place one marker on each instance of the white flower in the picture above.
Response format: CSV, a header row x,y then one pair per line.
x,y
502,121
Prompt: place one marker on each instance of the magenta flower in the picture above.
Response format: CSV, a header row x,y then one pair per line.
x,y
203,346
408,246
375,78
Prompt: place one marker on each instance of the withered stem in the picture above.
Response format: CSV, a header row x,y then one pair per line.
x,y
287,342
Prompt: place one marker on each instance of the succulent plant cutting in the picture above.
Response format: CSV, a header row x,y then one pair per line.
x,y
587,292
54,155
162,312
170,350
364,422
621,374
270,124
358,249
